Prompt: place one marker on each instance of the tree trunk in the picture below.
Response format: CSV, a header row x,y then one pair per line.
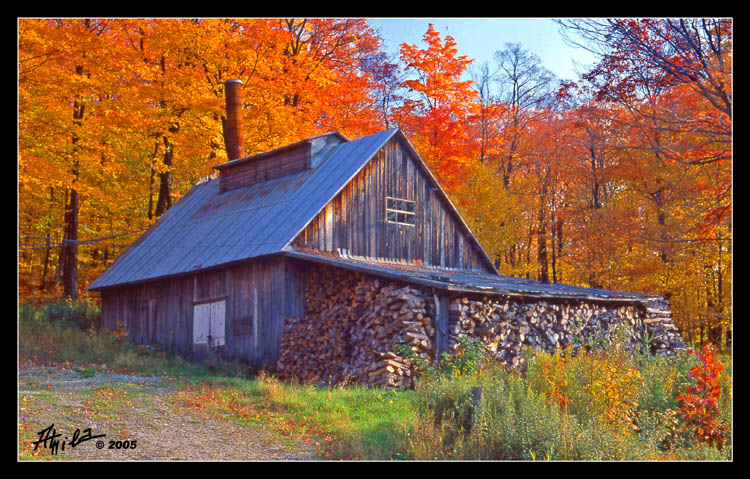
x,y
164,201
48,234
542,249
151,181
68,264
559,249
70,250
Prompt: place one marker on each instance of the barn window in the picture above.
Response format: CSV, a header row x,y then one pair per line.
x,y
400,211
242,326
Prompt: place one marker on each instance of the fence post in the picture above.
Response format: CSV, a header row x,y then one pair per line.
x,y
476,405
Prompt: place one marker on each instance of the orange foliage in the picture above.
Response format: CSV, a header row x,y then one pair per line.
x,y
699,408
435,119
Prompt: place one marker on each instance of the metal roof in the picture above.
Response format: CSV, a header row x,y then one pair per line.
x,y
469,282
207,228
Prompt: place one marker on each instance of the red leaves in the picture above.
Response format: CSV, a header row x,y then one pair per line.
x,y
436,121
554,376
699,408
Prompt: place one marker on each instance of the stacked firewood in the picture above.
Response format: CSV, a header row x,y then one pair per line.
x,y
352,324
664,335
506,326
355,324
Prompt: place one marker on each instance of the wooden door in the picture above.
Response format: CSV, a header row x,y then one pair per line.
x,y
216,329
209,323
201,321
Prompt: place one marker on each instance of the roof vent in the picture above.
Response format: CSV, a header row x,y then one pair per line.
x,y
275,163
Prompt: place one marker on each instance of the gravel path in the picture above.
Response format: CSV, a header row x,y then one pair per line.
x,y
52,395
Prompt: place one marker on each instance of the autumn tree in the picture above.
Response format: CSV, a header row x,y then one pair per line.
x,y
645,63
325,74
526,88
511,95
490,119
119,118
648,53
673,80
492,213
386,77
68,80
435,114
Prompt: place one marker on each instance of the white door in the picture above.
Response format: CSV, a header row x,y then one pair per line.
x,y
201,321
216,324
208,321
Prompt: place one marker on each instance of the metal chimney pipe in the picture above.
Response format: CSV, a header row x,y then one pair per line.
x,y
233,137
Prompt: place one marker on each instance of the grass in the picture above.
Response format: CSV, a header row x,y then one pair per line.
x,y
598,406
48,335
351,422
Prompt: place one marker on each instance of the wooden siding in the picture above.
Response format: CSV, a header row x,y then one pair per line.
x,y
122,308
355,221
265,291
252,171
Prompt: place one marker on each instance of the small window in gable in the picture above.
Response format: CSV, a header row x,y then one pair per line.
x,y
400,211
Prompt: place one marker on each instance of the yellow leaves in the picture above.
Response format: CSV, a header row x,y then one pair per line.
x,y
492,214
612,387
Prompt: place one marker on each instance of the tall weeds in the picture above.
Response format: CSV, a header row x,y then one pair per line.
x,y
595,405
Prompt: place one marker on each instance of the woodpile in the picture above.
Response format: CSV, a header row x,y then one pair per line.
x,y
354,321
352,324
508,326
664,334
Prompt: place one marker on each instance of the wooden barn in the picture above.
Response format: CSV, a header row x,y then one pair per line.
x,y
319,256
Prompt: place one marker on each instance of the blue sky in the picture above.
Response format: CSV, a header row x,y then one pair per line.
x,y
480,38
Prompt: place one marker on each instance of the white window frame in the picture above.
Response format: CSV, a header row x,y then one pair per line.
x,y
391,209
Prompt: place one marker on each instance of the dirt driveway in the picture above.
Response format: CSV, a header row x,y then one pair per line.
x,y
139,410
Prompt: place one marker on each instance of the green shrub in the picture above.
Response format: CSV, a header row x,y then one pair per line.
x,y
467,359
81,313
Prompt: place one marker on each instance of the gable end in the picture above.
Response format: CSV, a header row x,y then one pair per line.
x,y
393,210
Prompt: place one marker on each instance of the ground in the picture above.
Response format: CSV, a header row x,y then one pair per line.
x,y
146,411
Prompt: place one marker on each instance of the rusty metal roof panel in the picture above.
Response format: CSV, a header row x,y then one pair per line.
x,y
208,228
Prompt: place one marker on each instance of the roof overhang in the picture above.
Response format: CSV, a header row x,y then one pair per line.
x,y
465,282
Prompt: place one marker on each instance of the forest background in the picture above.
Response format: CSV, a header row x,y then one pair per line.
x,y
620,180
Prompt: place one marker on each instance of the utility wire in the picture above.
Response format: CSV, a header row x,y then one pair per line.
x,y
70,242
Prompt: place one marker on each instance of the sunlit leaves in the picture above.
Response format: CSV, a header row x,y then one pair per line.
x,y
435,117
699,407
121,107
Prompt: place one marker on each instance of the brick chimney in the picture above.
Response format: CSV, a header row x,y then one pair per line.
x,y
232,125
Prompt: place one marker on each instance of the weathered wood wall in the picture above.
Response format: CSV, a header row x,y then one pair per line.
x,y
266,167
355,220
266,291
170,303
258,295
